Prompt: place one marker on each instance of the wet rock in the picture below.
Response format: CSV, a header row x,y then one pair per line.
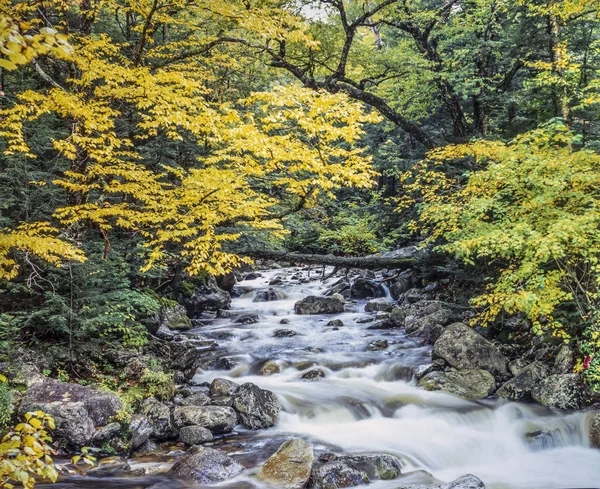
x,y
159,416
276,281
217,419
563,391
290,466
468,384
338,323
594,424
284,321
175,318
247,319
519,388
378,345
363,288
319,305
336,475
77,410
257,408
401,285
110,466
564,360
206,297
284,333
196,399
222,401
424,325
195,435
384,467
314,374
266,296
141,429
147,449
106,433
205,466
463,348
422,370
270,367
464,482
342,287
227,282
219,363
369,319
252,276
222,387
381,304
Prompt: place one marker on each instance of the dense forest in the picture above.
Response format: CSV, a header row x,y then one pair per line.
x,y
155,153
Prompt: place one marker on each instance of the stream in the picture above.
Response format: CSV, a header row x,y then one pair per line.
x,y
368,403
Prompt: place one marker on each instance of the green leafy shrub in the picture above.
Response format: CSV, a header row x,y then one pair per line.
x,y
157,384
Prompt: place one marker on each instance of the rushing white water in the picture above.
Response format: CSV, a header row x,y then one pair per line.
x,y
368,403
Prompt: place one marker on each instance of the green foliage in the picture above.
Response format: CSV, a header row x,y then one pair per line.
x,y
157,384
5,403
349,236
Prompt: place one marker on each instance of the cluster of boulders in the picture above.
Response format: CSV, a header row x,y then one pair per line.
x,y
294,466
86,416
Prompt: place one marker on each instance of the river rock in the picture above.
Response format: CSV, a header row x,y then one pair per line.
x,y
218,419
563,391
468,384
77,410
463,348
195,435
337,323
335,475
594,424
380,304
257,408
463,482
284,333
207,297
165,333
424,325
290,466
270,367
363,288
222,387
378,345
205,466
196,399
517,366
319,305
106,433
140,428
314,374
266,296
564,360
175,318
109,466
247,319
519,388
159,416
384,467
402,284
252,276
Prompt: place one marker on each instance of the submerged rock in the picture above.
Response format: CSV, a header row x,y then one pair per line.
x,y
270,367
519,388
257,408
290,466
205,466
338,323
463,348
378,345
319,305
218,419
464,482
314,374
563,391
285,333
266,296
469,384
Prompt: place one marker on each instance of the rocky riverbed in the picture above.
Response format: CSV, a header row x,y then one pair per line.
x,y
334,383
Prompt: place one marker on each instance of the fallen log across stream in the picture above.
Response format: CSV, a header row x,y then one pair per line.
x,y
370,262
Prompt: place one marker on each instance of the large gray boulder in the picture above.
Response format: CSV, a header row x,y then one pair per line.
x,y
175,318
564,361
563,391
290,466
218,419
384,467
222,387
77,410
207,297
160,418
519,388
363,288
469,384
256,408
140,428
195,435
463,348
319,305
422,326
463,482
205,466
380,304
